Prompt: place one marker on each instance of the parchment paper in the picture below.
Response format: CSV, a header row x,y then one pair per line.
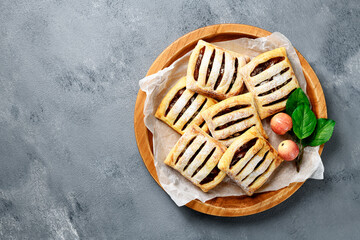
x,y
164,138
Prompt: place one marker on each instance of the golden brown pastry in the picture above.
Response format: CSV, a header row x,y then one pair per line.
x,y
181,107
230,118
214,71
196,156
250,160
270,77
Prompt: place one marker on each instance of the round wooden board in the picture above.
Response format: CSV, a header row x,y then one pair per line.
x,y
222,206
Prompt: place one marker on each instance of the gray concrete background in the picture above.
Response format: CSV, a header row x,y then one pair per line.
x,y
69,164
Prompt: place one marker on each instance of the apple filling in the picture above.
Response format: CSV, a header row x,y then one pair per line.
x,y
265,65
174,100
240,153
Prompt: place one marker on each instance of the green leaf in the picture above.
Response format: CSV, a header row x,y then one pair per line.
x,y
304,121
295,99
323,132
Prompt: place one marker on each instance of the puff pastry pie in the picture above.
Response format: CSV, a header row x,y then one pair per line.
x,y
196,156
270,77
230,118
181,107
250,160
213,71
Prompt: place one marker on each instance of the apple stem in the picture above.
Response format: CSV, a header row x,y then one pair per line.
x,y
299,157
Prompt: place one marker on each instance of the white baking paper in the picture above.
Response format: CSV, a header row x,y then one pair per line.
x,y
164,138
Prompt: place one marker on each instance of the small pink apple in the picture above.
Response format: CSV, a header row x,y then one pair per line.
x,y
281,123
288,150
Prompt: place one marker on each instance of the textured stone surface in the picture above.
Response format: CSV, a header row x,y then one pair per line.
x,y
69,165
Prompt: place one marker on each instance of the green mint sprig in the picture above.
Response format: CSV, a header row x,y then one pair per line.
x,y
307,130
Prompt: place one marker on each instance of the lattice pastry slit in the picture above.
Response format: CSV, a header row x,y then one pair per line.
x,y
214,71
181,107
250,160
196,156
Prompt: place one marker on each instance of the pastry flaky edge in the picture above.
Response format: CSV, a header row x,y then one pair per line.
x,y
199,137
199,85
283,92
243,99
186,95
243,172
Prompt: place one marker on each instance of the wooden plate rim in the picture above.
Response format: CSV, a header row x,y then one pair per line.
x,y
177,49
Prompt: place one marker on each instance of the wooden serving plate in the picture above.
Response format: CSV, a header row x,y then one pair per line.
x,y
222,206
